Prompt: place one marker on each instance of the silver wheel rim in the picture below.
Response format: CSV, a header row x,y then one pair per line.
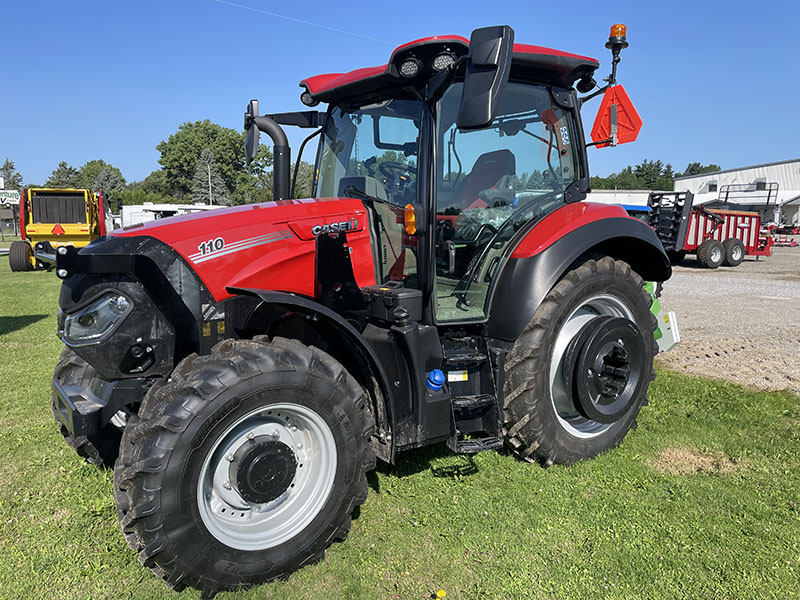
x,y
716,255
737,253
247,526
568,417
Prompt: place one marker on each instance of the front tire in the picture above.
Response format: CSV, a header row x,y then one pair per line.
x,y
101,448
20,256
565,356
246,466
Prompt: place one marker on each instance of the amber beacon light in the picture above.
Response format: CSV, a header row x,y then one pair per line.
x,y
617,36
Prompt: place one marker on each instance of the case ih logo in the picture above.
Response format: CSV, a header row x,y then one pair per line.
x,y
351,225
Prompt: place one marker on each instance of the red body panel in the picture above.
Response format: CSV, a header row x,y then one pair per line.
x,y
22,214
329,81
258,248
101,213
743,225
562,221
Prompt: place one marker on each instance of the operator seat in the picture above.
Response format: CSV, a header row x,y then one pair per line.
x,y
486,173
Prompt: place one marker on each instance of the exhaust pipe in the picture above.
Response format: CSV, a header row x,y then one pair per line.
x,y
281,153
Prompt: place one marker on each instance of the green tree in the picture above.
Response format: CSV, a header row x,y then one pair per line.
x,y
64,176
696,168
155,183
208,186
180,152
91,170
109,180
305,180
13,180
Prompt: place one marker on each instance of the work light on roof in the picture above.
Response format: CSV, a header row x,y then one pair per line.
x,y
307,99
443,61
409,67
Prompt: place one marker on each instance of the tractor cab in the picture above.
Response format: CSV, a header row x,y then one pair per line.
x,y
455,146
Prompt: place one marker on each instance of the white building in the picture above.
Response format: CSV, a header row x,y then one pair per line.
x,y
772,189
133,214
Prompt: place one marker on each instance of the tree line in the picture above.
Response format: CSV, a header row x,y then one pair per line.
x,y
649,175
201,162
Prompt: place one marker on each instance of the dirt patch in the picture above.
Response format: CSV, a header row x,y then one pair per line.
x,y
689,461
741,324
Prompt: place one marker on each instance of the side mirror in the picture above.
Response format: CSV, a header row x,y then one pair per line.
x,y
488,66
252,137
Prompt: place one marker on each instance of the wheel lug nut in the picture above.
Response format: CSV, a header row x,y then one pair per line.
x,y
251,436
227,485
229,457
299,445
294,428
276,434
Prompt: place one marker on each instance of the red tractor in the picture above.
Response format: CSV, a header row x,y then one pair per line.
x,y
242,369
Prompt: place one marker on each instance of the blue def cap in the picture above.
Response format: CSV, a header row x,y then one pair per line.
x,y
435,380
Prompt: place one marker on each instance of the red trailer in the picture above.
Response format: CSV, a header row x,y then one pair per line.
x,y
725,237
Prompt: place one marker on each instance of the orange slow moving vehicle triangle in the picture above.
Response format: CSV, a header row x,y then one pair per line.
x,y
58,230
628,120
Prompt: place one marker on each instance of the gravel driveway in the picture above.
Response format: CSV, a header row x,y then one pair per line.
x,y
741,324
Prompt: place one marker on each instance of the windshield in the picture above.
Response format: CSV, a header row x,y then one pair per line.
x,y
490,183
373,149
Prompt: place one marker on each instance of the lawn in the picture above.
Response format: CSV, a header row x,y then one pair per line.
x,y
701,501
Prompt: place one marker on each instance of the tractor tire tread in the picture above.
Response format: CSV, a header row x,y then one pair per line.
x,y
167,411
100,449
525,433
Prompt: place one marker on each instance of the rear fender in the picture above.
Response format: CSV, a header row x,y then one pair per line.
x,y
317,325
543,256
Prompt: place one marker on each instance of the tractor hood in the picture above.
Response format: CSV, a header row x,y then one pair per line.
x,y
268,246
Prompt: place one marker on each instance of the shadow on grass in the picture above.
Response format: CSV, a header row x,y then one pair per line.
x,y
415,461
9,324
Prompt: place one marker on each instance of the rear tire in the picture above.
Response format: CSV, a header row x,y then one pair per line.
x,y
734,252
99,449
537,424
20,256
710,254
246,466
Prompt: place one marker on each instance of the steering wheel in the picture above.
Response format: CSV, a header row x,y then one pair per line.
x,y
393,171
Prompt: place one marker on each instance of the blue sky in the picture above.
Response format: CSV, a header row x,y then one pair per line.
x,y
713,82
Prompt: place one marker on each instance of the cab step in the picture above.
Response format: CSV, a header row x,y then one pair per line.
x,y
476,424
475,445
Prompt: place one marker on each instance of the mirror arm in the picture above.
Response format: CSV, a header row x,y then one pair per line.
x,y
594,94
297,162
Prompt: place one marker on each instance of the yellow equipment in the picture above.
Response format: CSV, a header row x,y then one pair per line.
x,y
50,218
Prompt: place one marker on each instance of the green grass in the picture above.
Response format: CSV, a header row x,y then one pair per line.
x,y
492,527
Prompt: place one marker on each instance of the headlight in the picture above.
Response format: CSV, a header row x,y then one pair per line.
x,y
443,60
410,67
98,319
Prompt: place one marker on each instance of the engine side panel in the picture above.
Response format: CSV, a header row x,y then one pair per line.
x,y
264,246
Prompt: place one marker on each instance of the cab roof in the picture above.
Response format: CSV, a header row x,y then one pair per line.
x,y
529,63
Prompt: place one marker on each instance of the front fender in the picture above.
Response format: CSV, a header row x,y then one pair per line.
x,y
539,262
359,358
